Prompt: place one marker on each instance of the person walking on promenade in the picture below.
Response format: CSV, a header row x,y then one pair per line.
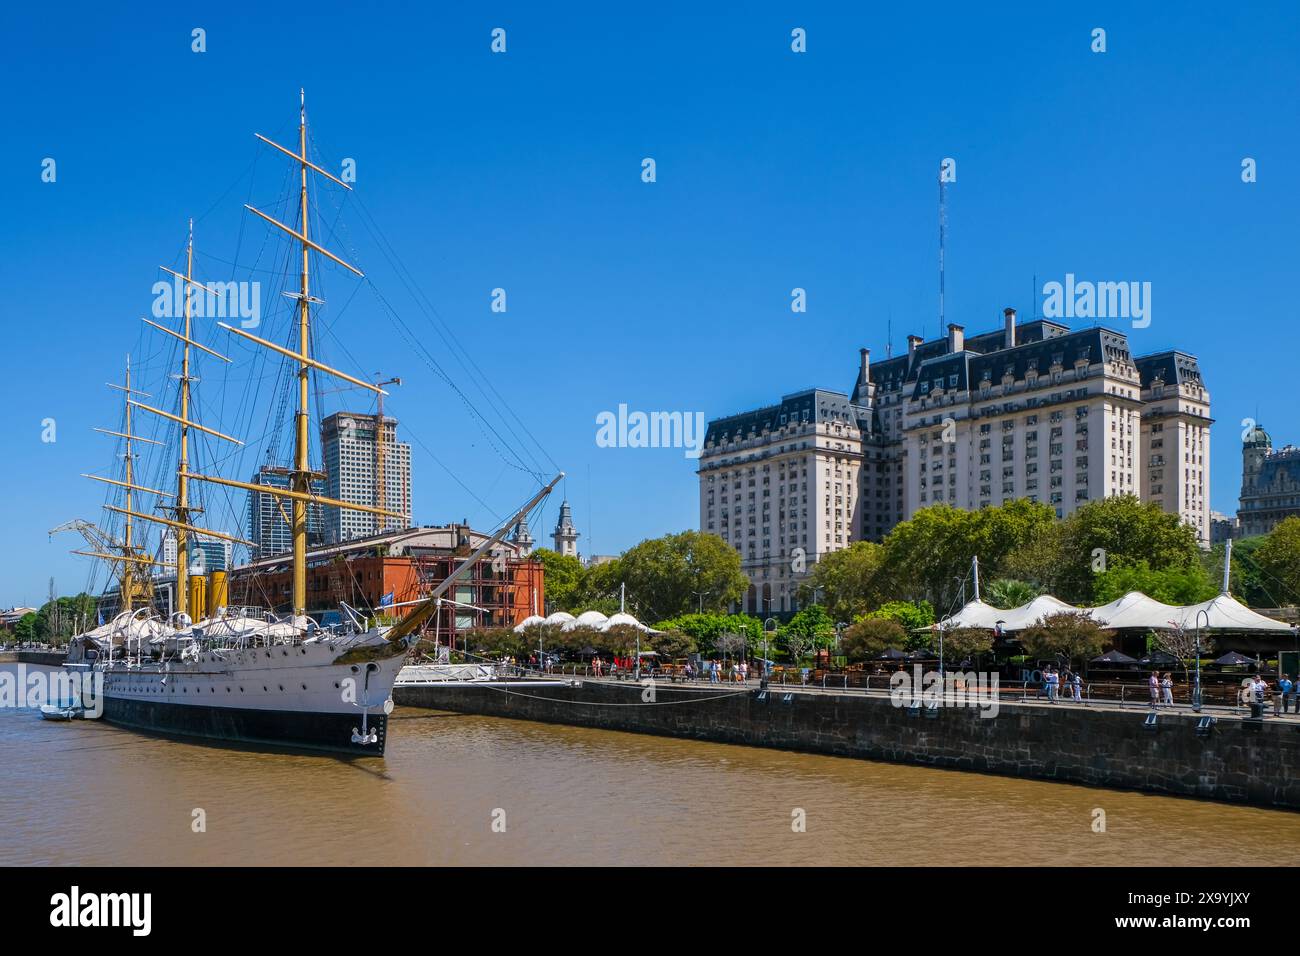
x,y
1260,689
1154,683
1053,682
1167,685
713,672
1284,696
1077,685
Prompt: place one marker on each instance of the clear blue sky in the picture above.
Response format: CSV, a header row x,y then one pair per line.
x,y
522,171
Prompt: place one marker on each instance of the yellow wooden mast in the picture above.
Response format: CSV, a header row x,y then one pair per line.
x,y
301,475
132,578
182,526
182,484
128,597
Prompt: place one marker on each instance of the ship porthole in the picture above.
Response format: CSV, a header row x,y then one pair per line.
x,y
336,684
304,686
263,688
281,687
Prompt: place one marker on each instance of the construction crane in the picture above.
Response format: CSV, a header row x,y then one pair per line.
x,y
381,490
130,565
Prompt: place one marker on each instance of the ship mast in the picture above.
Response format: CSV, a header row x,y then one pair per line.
x,y
182,483
129,477
182,525
301,475
300,480
133,579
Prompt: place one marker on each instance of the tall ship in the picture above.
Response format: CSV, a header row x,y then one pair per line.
x,y
245,674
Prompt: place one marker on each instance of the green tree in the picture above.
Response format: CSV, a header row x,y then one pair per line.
x,y
1188,584
25,628
1115,531
1070,634
813,623
1278,557
963,643
563,579
1039,559
679,573
1248,582
930,555
705,629
600,586
867,637
1007,593
851,580
672,645
910,614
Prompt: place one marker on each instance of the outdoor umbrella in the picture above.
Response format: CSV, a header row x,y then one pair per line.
x,y
1114,657
1159,657
1232,657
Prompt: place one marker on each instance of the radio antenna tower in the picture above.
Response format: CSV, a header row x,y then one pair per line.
x,y
943,231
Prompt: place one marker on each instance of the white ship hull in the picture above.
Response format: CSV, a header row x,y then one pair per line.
x,y
317,695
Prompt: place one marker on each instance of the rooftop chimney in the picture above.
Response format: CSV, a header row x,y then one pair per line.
x,y
864,374
956,338
1010,315
912,342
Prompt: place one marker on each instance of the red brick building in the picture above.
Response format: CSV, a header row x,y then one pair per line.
x,y
499,591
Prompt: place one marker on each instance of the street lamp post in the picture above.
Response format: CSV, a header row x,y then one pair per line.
x,y
772,621
1196,691
941,650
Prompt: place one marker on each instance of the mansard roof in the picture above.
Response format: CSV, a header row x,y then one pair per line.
x,y
1087,345
813,404
1172,366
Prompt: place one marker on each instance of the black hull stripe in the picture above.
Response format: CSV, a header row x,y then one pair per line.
x,y
292,730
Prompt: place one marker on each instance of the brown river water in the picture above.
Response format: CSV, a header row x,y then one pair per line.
x,y
464,790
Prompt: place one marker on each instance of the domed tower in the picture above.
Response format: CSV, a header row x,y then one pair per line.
x,y
565,534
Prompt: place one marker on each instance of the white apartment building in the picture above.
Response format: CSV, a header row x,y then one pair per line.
x,y
1031,410
782,486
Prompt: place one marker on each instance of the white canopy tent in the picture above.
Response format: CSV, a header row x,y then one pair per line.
x,y
976,614
592,619
1133,610
1226,613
